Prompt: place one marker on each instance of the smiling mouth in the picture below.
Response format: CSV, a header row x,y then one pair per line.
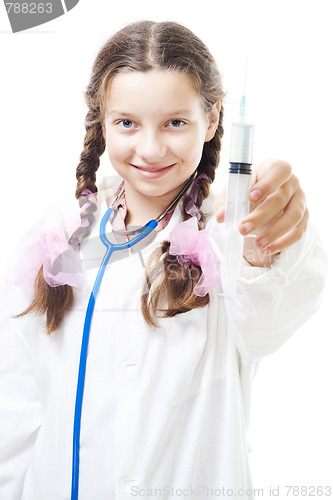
x,y
153,169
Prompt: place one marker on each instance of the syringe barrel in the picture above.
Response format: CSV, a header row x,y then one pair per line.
x,y
237,207
237,203
241,146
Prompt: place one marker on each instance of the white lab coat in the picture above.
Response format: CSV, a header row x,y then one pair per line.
x,y
165,411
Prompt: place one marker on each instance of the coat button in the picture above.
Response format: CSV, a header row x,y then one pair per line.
x,y
127,363
127,483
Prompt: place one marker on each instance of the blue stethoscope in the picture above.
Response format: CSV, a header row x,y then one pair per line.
x,y
141,233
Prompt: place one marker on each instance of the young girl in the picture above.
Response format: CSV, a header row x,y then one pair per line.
x,y
168,378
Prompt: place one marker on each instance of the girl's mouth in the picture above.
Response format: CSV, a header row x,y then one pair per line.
x,y
152,172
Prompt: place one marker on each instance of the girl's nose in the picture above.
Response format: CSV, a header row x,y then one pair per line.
x,y
151,147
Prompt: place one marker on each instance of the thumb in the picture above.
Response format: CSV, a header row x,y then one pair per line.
x,y
219,206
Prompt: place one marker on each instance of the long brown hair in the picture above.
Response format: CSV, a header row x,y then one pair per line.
x,y
143,46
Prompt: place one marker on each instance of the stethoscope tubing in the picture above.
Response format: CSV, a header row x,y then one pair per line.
x,y
111,247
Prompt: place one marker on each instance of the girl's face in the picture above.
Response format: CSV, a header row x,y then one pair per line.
x,y
155,129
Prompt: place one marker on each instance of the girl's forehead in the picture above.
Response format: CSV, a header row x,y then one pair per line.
x,y
160,88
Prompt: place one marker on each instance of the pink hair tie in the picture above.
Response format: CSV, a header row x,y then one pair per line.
x,y
192,245
91,196
49,246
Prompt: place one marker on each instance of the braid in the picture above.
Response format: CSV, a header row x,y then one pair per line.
x,y
94,146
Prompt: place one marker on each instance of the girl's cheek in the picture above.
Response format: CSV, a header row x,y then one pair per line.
x,y
119,144
189,146
183,144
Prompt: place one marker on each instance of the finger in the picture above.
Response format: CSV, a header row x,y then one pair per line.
x,y
271,207
290,218
219,206
220,214
275,174
290,238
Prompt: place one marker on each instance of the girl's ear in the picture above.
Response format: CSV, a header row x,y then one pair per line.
x,y
103,130
213,117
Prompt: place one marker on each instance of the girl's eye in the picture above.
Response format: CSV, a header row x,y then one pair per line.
x,y
176,123
125,123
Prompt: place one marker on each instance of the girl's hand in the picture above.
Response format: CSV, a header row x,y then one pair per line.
x,y
278,217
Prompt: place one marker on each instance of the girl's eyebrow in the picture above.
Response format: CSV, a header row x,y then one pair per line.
x,y
168,113
117,112
179,112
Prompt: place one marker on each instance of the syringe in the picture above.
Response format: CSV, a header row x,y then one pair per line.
x,y
237,200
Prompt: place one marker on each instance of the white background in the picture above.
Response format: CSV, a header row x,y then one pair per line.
x,y
44,72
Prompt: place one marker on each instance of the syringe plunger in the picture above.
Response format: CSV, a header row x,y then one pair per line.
x,y
241,147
